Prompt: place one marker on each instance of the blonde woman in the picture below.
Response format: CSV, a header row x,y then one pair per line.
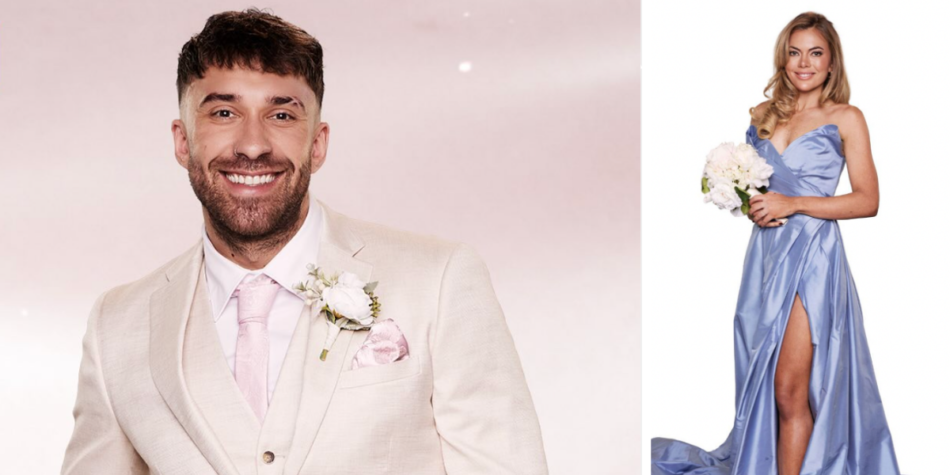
x,y
806,398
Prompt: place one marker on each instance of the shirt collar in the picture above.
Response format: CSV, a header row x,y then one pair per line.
x,y
287,268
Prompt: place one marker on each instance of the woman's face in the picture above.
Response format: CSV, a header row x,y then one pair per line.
x,y
809,60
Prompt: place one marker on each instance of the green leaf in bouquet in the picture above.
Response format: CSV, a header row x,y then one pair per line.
x,y
742,194
705,185
370,287
762,190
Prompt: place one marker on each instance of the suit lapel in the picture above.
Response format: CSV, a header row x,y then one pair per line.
x,y
169,308
338,248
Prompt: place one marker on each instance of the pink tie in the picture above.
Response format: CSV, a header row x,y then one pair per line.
x,y
255,299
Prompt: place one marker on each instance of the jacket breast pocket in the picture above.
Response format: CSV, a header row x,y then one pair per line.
x,y
401,369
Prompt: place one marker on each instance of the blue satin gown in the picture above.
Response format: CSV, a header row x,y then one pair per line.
x,y
805,257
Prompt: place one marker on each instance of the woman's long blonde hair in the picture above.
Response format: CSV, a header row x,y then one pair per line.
x,y
780,91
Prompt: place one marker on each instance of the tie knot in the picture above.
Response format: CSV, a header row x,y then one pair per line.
x,y
255,298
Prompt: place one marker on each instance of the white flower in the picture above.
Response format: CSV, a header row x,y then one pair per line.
x,y
349,279
719,163
745,156
759,173
725,197
721,154
348,299
715,174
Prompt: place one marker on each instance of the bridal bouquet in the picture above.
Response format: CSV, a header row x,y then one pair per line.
x,y
733,174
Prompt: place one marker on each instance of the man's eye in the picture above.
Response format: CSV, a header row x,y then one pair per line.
x,y
283,116
223,113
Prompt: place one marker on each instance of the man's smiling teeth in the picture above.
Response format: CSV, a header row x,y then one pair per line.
x,y
250,180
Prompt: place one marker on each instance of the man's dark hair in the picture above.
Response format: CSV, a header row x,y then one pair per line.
x,y
255,40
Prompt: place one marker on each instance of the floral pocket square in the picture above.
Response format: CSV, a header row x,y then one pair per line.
x,y
385,344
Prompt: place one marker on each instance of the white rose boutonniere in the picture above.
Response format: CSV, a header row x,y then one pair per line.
x,y
347,302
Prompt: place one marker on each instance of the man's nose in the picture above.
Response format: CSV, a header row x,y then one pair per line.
x,y
253,141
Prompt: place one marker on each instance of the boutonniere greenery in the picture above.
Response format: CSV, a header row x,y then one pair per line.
x,y
347,302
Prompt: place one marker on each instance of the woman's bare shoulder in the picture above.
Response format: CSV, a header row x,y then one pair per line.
x,y
847,113
849,119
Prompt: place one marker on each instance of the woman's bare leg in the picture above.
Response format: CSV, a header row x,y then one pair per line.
x,y
791,392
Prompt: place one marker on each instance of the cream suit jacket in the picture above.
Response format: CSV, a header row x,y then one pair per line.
x,y
156,395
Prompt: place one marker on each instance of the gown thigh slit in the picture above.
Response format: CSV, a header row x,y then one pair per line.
x,y
804,257
795,357
792,382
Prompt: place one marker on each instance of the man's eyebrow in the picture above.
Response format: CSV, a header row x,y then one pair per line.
x,y
274,100
218,97
280,100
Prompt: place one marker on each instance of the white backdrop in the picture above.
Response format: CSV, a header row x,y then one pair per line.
x,y
530,154
703,68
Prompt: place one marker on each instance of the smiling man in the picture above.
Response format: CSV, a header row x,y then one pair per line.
x,y
221,362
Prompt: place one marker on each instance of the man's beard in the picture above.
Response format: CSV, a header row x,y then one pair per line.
x,y
251,223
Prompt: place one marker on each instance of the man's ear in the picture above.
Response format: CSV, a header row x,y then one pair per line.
x,y
180,137
321,140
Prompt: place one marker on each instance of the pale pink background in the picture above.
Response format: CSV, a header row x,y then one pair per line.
x,y
532,156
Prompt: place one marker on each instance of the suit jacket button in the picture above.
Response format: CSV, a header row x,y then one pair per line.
x,y
268,456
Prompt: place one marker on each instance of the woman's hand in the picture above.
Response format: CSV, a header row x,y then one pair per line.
x,y
765,209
